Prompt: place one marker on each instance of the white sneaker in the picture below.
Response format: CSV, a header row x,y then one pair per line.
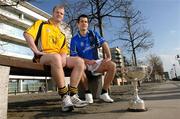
x,y
89,98
78,102
105,97
67,105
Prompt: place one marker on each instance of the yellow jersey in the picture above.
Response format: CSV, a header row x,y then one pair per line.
x,y
51,39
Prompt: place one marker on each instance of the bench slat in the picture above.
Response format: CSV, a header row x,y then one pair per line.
x,y
19,62
25,67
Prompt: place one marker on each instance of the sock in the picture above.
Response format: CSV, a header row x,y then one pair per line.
x,y
87,91
63,91
103,91
73,90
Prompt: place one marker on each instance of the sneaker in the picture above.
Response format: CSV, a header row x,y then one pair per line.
x,y
78,103
67,105
89,98
105,97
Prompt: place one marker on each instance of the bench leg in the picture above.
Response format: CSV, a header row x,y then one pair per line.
x,y
95,86
4,79
100,83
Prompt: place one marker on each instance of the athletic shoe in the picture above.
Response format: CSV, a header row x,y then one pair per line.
x,y
67,105
105,97
89,98
78,103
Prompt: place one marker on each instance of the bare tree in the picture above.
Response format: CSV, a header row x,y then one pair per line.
x,y
157,66
133,34
73,10
97,10
101,10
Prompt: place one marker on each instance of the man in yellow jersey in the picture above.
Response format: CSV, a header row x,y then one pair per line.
x,y
52,50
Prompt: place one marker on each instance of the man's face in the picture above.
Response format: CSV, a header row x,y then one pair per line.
x,y
58,14
83,24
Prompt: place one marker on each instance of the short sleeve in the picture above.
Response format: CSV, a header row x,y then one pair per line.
x,y
34,29
100,40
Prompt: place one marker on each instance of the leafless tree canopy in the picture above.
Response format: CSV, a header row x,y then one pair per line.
x,y
97,10
133,34
157,66
73,10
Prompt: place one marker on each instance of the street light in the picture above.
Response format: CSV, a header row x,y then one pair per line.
x,y
178,58
174,66
172,73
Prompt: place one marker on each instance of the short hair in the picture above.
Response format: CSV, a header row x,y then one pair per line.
x,y
82,16
58,6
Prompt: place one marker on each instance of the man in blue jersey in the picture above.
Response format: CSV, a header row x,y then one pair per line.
x,y
85,45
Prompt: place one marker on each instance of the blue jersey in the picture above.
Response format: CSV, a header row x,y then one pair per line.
x,y
83,46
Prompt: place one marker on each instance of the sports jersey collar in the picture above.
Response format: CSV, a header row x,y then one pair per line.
x,y
80,36
50,21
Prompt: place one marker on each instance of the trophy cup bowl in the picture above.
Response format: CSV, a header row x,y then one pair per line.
x,y
134,74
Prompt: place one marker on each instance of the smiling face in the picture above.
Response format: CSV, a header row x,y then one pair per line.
x,y
58,14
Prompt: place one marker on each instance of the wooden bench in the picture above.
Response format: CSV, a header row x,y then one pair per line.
x,y
18,66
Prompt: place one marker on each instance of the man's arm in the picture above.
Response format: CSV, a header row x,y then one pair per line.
x,y
31,44
106,49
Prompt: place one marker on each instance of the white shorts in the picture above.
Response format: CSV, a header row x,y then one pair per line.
x,y
94,67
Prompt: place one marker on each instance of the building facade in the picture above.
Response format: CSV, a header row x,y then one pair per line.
x,y
118,58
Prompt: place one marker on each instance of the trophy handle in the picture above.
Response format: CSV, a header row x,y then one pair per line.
x,y
149,71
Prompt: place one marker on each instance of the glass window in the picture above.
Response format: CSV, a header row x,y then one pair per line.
x,y
11,31
15,49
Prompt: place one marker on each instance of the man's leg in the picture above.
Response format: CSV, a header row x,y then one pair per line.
x,y
84,82
77,65
110,68
84,85
55,61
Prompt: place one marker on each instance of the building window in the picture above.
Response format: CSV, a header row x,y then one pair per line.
x,y
15,49
21,16
11,31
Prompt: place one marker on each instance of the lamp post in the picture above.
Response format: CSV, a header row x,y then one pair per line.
x,y
172,73
174,66
178,58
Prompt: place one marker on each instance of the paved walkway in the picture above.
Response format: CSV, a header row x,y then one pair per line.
x,y
162,101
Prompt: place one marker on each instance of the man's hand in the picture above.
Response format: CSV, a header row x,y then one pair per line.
x,y
106,60
90,62
38,53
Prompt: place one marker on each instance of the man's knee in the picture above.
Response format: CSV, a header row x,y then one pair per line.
x,y
56,57
79,62
112,66
50,59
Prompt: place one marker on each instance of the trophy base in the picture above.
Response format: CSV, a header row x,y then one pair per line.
x,y
137,105
136,110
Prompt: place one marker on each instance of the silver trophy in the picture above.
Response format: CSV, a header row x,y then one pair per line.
x,y
135,74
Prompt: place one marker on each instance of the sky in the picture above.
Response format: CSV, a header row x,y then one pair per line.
x,y
162,19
